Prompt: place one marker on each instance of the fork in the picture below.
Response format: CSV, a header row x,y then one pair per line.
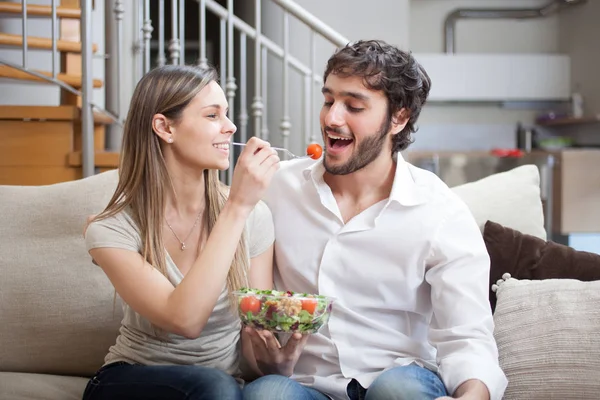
x,y
285,151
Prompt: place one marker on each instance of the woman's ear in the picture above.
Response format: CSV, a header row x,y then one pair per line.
x,y
399,120
162,127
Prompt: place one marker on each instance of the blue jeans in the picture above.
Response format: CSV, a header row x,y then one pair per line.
x,y
409,382
120,380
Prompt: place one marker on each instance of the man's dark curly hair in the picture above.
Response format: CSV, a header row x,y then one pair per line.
x,y
387,68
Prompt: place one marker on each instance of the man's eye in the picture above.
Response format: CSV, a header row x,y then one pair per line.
x,y
212,115
327,103
354,109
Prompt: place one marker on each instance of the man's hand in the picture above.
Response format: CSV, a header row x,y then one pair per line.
x,y
473,389
271,358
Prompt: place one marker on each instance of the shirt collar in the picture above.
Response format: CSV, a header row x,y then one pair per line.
x,y
405,190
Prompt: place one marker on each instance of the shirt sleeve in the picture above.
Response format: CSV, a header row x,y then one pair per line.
x,y
462,325
112,232
261,232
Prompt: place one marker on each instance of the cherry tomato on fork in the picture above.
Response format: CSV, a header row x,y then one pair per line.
x,y
314,150
250,303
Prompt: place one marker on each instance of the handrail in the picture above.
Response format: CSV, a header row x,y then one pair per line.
x,y
222,13
64,86
313,22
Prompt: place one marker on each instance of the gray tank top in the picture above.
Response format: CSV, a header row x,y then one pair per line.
x,y
139,342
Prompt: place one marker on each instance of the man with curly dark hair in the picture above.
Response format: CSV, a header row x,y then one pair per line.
x,y
398,250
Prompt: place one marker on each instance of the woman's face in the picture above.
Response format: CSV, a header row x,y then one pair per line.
x,y
202,136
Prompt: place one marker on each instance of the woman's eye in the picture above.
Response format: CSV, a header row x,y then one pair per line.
x,y
327,103
212,116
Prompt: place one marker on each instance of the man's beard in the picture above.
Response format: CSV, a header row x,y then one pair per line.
x,y
366,152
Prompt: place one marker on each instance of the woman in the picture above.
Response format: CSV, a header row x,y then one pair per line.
x,y
172,242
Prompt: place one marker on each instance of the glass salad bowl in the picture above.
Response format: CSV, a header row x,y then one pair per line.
x,y
279,311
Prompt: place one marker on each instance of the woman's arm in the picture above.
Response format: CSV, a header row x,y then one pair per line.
x,y
180,310
185,309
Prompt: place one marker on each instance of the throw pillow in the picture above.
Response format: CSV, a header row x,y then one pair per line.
x,y
528,257
511,198
548,336
57,310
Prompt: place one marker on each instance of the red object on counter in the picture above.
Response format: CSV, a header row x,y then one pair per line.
x,y
508,152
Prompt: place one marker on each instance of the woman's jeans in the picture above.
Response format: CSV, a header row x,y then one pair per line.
x,y
120,380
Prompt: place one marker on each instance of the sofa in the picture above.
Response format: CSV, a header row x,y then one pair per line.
x,y
59,313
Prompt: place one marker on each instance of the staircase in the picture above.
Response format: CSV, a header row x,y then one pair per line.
x,y
43,144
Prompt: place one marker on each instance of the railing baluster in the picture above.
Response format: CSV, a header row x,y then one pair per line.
x,y
174,42
119,11
139,48
161,59
243,90
313,56
147,29
231,86
307,107
203,61
53,39
113,30
223,52
223,175
87,122
285,120
257,104
182,32
264,134
24,28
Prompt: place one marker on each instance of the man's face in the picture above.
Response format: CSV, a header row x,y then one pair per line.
x,y
355,125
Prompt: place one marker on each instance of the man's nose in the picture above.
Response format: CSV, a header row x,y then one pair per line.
x,y
334,115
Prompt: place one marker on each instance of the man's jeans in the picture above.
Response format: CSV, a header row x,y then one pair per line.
x,y
120,380
410,382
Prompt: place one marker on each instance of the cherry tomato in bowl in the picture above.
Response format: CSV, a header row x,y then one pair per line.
x,y
250,304
310,305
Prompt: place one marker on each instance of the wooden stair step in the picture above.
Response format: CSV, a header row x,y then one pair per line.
x,y
69,79
34,10
49,113
35,42
102,159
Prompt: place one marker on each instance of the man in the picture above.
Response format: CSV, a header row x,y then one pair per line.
x,y
398,250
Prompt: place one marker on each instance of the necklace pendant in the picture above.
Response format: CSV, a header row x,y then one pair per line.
x,y
182,246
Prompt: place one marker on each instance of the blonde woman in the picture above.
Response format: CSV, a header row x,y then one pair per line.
x,y
175,242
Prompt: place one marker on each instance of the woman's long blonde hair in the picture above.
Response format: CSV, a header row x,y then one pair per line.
x,y
143,177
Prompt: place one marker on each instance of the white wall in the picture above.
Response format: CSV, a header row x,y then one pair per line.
x,y
460,127
482,36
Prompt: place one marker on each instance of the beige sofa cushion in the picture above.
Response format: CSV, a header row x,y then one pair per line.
x,y
510,198
19,386
548,336
56,307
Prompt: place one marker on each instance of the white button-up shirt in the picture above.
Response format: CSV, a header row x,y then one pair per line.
x,y
409,275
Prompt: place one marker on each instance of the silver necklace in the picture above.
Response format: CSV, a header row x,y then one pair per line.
x,y
189,234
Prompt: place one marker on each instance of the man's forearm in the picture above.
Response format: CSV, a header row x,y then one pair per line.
x,y
472,389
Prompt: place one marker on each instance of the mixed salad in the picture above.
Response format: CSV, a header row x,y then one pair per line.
x,y
279,311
